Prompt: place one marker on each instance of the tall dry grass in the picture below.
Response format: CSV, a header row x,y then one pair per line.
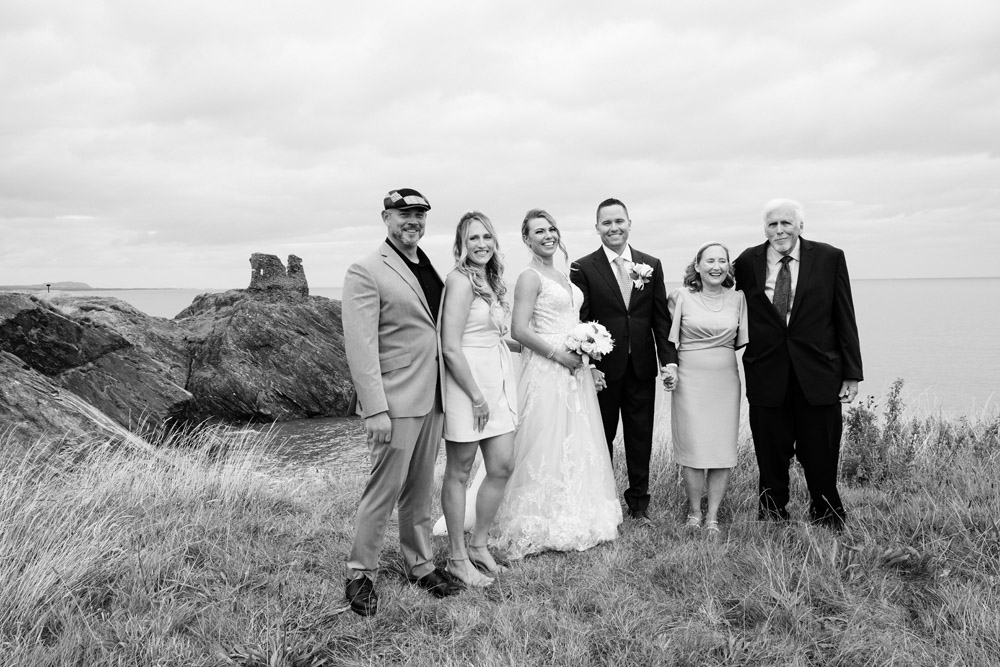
x,y
201,552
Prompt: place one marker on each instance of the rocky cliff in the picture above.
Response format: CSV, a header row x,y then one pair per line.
x,y
270,352
33,410
109,368
260,358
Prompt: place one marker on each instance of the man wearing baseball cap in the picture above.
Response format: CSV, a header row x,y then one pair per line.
x,y
390,308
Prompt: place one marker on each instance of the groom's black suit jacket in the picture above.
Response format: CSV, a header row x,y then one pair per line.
x,y
820,341
644,325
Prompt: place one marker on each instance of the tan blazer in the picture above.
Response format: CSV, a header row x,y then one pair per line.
x,y
393,348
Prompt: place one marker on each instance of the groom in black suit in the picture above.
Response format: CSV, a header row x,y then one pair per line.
x,y
623,289
803,360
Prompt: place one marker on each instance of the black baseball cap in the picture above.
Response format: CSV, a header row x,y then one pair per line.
x,y
404,198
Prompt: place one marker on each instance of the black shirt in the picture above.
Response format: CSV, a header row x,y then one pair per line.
x,y
430,281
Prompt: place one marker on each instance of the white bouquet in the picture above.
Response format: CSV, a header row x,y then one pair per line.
x,y
589,339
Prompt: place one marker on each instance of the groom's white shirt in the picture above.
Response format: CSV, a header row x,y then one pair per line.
x,y
626,255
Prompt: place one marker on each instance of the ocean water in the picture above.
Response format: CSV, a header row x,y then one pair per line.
x,y
939,336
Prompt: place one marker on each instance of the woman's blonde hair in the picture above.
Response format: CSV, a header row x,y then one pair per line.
x,y
487,282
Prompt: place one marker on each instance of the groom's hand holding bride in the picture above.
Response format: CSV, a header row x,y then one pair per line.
x,y
599,381
669,373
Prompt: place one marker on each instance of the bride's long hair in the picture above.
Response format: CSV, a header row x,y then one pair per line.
x,y
487,282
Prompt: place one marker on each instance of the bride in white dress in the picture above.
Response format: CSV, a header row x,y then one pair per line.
x,y
561,495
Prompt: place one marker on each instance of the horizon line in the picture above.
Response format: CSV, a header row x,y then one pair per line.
x,y
88,288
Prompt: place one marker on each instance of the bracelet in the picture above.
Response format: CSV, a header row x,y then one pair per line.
x,y
551,353
479,405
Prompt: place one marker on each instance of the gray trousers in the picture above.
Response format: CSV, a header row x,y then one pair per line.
x,y
403,472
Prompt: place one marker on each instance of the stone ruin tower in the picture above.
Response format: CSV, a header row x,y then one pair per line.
x,y
269,278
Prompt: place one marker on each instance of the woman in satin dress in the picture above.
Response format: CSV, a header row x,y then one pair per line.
x,y
709,325
480,396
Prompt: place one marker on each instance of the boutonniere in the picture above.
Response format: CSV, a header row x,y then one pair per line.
x,y
640,274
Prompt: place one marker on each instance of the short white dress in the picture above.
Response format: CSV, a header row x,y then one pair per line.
x,y
493,370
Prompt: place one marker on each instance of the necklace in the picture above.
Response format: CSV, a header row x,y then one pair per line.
x,y
719,299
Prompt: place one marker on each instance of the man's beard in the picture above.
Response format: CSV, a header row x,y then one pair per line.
x,y
402,237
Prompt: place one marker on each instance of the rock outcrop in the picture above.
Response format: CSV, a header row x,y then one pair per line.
x,y
157,337
270,352
127,382
34,410
255,360
267,353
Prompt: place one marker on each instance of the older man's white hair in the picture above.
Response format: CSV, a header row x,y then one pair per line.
x,y
785,204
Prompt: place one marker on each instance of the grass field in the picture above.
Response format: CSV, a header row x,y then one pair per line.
x,y
197,553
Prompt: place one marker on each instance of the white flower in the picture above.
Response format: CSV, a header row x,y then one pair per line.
x,y
591,339
640,274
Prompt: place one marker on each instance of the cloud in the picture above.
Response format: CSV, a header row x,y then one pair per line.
x,y
160,144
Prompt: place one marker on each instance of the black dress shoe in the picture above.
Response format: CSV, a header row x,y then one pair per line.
x,y
361,595
641,518
439,583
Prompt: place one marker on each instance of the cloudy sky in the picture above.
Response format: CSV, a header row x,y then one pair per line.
x,y
159,144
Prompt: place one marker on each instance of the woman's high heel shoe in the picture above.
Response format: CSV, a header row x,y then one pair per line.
x,y
693,521
481,564
470,576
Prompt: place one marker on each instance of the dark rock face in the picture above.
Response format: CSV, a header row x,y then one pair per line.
x,y
157,337
262,354
263,361
126,382
204,303
33,409
267,353
47,341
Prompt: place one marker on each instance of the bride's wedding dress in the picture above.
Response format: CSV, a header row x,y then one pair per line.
x,y
561,495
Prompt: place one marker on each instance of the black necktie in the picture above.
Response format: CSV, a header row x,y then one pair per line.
x,y
783,289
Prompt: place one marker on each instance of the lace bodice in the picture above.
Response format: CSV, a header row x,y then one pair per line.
x,y
555,311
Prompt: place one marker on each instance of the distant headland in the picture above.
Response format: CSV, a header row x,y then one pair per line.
x,y
65,286
68,286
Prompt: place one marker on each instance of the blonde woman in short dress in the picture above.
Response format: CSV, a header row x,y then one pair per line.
x,y
480,395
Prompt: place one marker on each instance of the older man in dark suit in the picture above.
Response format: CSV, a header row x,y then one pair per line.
x,y
802,363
